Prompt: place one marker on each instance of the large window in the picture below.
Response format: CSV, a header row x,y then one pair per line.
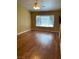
x,y
45,21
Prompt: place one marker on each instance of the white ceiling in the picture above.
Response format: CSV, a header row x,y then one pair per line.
x,y
49,4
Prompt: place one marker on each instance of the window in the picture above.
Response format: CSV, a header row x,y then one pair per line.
x,y
45,21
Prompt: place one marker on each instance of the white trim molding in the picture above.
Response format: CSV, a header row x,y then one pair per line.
x,y
23,32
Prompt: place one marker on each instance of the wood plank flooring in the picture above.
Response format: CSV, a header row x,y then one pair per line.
x,y
38,45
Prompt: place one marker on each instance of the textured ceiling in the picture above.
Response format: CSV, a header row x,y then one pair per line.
x,y
46,5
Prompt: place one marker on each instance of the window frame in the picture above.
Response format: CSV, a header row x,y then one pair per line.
x,y
43,26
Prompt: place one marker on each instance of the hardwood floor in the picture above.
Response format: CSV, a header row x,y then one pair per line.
x,y
38,45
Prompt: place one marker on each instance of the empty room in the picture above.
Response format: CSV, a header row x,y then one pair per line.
x,y
38,29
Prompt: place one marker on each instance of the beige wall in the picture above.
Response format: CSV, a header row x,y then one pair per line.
x,y
23,19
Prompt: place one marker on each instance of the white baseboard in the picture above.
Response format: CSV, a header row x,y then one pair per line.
x,y
23,32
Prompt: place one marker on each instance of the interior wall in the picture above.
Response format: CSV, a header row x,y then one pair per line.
x,y
56,20
23,19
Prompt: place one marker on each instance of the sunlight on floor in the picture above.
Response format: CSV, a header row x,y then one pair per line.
x,y
36,57
44,39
